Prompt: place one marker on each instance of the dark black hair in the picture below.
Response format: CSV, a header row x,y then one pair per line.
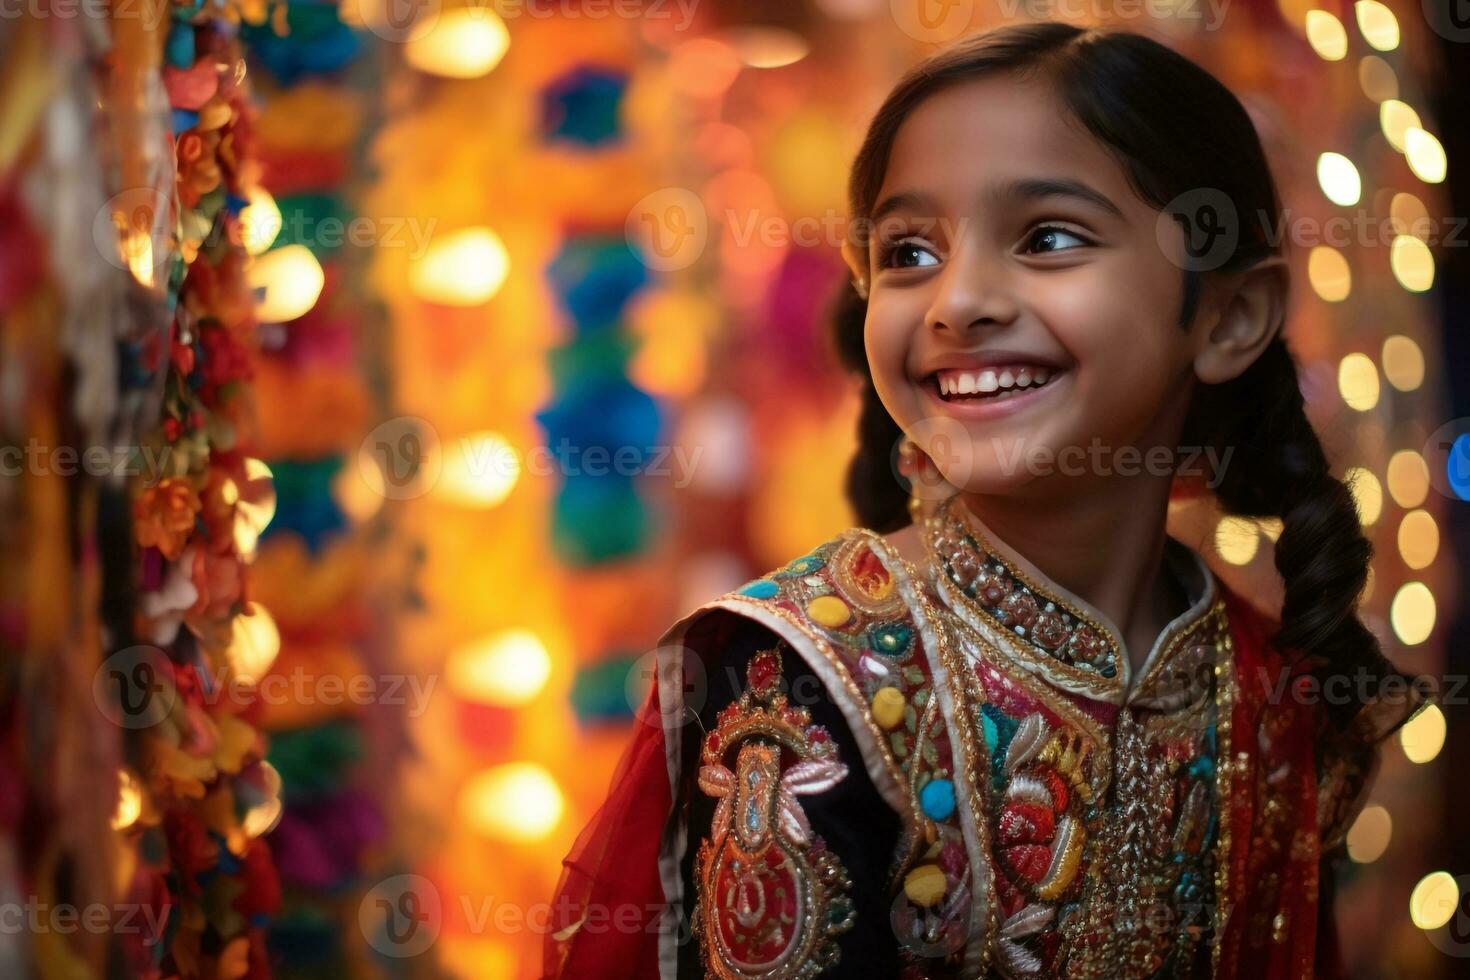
x,y
1175,129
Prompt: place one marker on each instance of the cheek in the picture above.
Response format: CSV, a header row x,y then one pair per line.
x,y
887,334
1127,345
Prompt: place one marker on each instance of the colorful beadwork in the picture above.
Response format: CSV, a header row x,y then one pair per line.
x,y
1017,605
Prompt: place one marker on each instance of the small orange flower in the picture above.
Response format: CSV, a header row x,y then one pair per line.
x,y
164,515
191,148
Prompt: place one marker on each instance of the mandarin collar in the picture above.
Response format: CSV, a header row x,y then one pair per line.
x,y
1050,630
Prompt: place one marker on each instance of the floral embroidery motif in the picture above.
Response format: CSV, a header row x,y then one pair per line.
x,y
846,601
772,899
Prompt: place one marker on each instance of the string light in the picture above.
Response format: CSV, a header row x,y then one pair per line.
x,y
1403,363
254,643
260,221
769,47
462,268
1412,263
467,42
1425,154
1326,35
1423,736
482,473
262,818
1367,493
1237,539
517,802
1412,613
1357,381
509,669
289,280
1434,900
1369,836
1380,28
129,801
1418,539
1408,478
1377,79
1328,272
1397,118
1339,179
253,511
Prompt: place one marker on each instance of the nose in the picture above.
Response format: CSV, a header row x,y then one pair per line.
x,y
972,292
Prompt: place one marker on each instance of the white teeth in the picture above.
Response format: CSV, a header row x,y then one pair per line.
x,y
957,383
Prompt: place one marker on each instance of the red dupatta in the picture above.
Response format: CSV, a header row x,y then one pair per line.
x,y
1267,908
607,915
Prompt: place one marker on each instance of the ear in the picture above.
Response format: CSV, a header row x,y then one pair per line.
x,y
1243,316
857,265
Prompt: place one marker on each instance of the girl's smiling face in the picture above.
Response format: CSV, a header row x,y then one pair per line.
x,y
1008,251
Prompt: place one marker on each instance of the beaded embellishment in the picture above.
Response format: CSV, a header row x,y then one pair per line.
x,y
772,899
1017,605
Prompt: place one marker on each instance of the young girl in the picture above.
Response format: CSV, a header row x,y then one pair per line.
x,y
1012,728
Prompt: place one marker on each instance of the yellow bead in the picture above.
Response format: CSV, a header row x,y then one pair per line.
x,y
828,610
925,885
888,706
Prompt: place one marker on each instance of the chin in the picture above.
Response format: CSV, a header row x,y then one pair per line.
x,y
991,479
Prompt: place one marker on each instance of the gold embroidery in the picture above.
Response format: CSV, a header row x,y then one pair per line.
x,y
1133,818
771,900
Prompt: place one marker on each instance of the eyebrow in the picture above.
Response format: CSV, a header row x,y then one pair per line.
x,y
1032,188
1024,189
902,201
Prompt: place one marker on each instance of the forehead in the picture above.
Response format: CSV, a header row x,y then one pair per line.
x,y
968,138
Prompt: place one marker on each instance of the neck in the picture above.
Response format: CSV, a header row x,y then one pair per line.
x,y
1105,545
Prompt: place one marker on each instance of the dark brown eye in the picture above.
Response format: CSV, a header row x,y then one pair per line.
x,y
1052,238
908,255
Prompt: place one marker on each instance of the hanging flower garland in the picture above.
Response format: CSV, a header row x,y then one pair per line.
x,y
200,796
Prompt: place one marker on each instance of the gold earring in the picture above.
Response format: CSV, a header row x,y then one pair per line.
x,y
908,465
861,285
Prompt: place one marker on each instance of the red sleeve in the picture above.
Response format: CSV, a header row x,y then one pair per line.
x,y
607,912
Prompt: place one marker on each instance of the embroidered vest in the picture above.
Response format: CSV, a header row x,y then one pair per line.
x,y
1058,819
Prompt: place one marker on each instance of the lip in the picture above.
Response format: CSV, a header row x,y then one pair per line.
x,y
987,409
997,358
